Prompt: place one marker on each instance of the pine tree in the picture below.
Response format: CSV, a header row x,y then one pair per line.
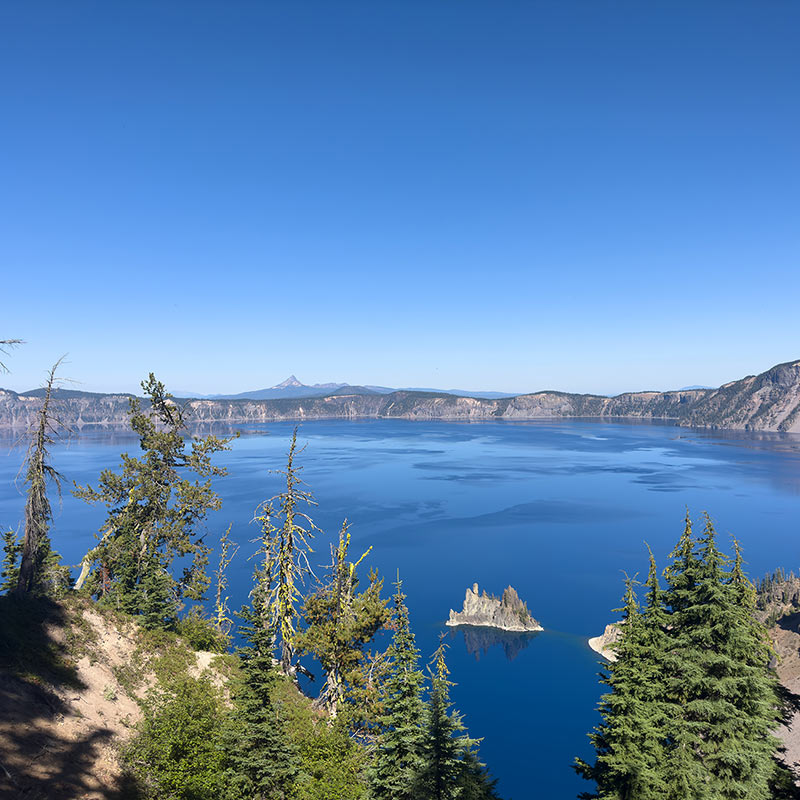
x,y
262,758
155,509
683,573
397,758
12,549
730,700
445,745
692,701
36,557
630,739
340,622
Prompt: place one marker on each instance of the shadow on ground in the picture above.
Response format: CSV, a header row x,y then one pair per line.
x,y
38,761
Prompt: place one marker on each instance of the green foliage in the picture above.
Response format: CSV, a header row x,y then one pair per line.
x,y
397,758
202,633
340,622
263,761
156,505
331,764
177,751
474,781
631,740
692,702
444,744
12,550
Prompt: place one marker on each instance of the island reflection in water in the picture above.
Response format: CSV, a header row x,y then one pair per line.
x,y
479,639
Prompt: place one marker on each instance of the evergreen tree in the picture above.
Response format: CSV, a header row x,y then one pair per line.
x,y
445,745
692,702
155,511
397,759
12,549
682,574
263,761
340,622
730,703
39,567
630,739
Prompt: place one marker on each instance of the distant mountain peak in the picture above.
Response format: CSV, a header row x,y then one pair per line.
x,y
290,381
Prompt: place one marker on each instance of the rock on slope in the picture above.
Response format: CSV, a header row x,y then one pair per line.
x,y
508,613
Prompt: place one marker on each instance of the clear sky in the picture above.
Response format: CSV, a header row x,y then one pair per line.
x,y
509,195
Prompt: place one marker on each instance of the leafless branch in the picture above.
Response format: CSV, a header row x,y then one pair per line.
x,y
5,346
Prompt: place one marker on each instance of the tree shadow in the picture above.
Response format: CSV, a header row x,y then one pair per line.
x,y
62,769
37,673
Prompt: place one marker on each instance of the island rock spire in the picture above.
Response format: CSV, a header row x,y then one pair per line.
x,y
507,613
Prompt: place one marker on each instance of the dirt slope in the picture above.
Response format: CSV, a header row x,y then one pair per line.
x,y
67,701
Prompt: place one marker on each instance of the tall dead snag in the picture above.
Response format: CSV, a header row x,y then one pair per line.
x,y
285,547
227,552
39,474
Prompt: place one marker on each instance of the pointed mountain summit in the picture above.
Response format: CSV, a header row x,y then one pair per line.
x,y
291,381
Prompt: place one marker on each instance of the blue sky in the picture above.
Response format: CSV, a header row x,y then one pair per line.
x,y
590,196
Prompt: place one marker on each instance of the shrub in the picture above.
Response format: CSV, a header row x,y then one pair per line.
x,y
201,633
177,750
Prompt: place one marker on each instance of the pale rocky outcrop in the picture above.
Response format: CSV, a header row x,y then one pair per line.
x,y
508,613
604,644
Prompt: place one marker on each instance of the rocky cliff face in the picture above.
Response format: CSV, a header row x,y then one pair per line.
x,y
508,613
766,402
604,644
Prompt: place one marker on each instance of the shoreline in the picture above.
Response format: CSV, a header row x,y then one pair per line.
x,y
451,624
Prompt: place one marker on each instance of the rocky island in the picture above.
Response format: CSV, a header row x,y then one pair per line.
x,y
508,613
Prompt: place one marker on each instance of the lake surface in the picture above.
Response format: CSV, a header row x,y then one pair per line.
x,y
557,509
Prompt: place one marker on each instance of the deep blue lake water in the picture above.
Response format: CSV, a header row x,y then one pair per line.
x,y
557,509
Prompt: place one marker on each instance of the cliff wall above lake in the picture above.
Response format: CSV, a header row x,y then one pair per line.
x,y
766,402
